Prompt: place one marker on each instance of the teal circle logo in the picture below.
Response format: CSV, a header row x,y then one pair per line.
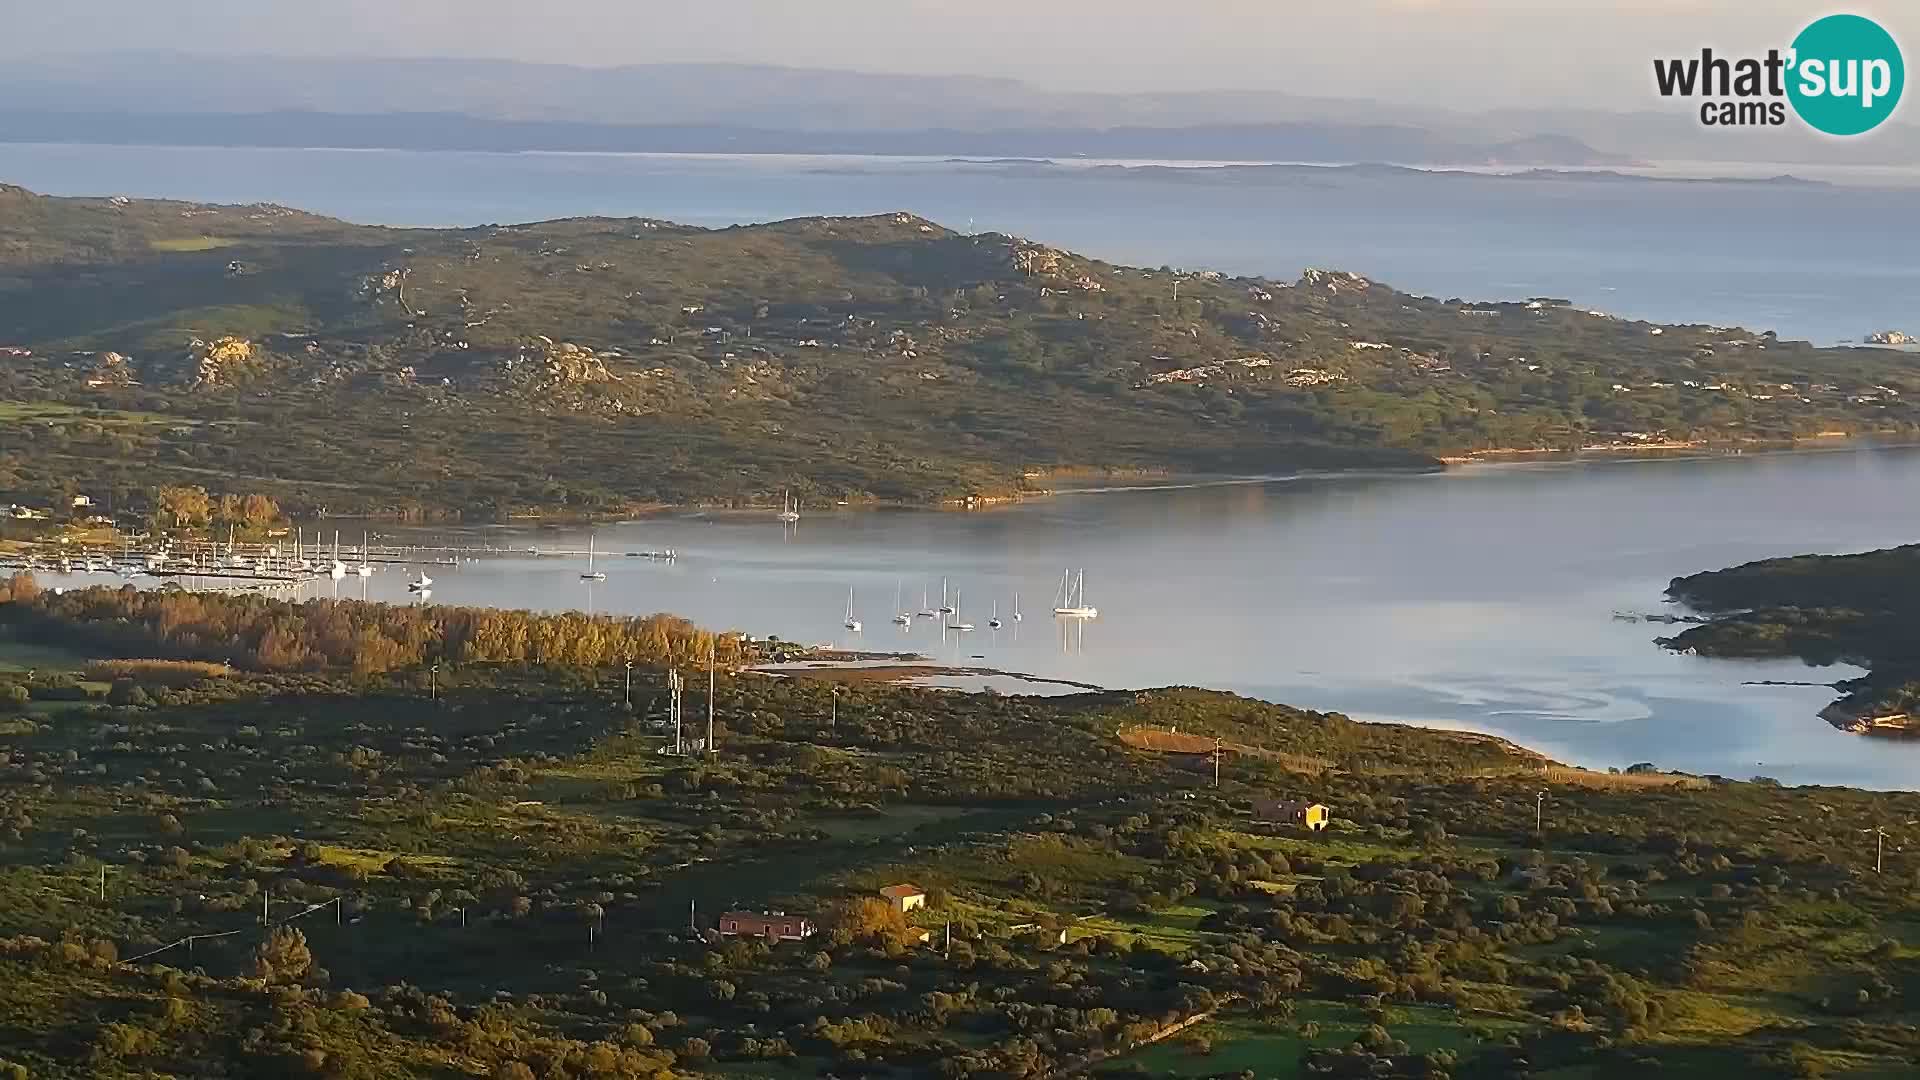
x,y
1846,75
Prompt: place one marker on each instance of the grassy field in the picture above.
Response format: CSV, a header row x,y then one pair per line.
x,y
1271,1049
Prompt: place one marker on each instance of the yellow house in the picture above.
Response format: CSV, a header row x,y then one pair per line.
x,y
904,898
1312,816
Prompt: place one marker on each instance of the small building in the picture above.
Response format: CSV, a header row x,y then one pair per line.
x,y
771,925
904,898
1312,816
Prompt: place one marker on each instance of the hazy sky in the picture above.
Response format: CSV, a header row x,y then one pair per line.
x,y
1469,53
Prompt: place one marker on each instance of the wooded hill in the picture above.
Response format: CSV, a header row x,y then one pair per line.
x,y
596,365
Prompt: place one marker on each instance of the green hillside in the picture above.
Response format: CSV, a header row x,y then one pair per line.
x,y
595,365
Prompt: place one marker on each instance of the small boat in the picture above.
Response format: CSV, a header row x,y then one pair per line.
x,y
590,574
852,623
945,608
958,623
789,509
337,569
1073,597
994,622
1016,607
925,611
365,569
902,616
421,583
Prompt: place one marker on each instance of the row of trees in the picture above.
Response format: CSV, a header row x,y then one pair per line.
x,y
265,634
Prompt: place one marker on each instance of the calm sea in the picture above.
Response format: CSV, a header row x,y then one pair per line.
x,y
1822,263
1484,598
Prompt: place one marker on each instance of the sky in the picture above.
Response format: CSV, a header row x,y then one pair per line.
x,y
1473,54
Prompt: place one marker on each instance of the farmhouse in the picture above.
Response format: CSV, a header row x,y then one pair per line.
x,y
904,898
772,925
1312,815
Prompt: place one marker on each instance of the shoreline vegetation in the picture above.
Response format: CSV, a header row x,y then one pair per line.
x,y
344,370
1822,609
395,847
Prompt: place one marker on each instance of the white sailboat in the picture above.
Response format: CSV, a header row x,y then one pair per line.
x,y
337,569
365,569
789,509
420,583
1073,597
902,617
1016,607
590,574
958,623
945,608
994,622
852,623
925,611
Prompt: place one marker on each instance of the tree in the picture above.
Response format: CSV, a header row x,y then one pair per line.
x,y
182,507
283,957
866,917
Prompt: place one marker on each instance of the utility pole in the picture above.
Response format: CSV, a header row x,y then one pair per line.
x,y
1880,843
433,683
833,718
712,652
103,882
690,922
264,895
1216,763
629,688
1539,810
674,685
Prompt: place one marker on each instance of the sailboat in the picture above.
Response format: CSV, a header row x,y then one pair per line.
x,y
365,569
902,616
925,611
338,569
945,608
421,583
994,622
1073,597
958,624
789,509
1016,607
590,574
852,623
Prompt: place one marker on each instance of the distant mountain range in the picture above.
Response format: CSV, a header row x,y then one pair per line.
x,y
167,98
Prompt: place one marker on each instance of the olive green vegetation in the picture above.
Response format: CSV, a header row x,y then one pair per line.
x,y
598,365
488,870
1859,609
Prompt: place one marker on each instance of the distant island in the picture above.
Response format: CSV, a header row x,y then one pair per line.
x,y
1824,609
605,366
1269,173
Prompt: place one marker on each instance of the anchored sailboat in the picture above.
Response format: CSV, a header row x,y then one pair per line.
x,y
994,622
590,574
902,617
958,623
1073,597
945,608
1016,607
852,623
925,611
789,509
